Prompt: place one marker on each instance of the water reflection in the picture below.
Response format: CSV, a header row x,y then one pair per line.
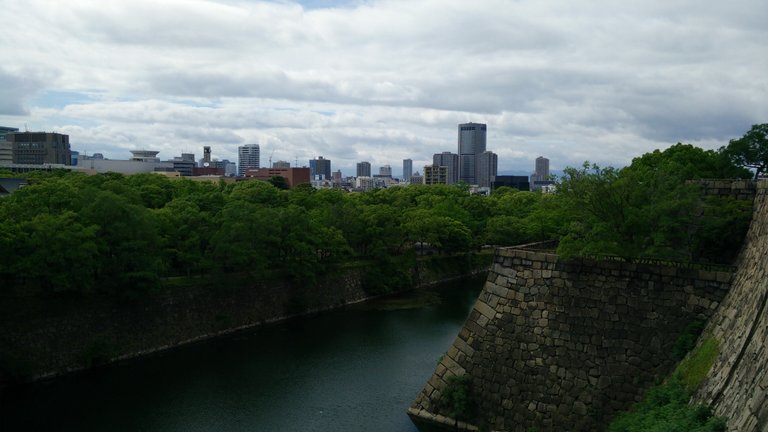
x,y
350,370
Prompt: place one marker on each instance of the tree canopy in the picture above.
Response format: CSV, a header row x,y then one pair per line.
x,y
751,150
114,233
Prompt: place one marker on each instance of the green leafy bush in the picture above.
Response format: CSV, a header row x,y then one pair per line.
x,y
665,407
457,399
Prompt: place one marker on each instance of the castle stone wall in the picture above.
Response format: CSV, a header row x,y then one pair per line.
x,y
737,385
562,345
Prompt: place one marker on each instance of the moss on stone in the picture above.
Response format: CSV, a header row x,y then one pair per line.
x,y
694,368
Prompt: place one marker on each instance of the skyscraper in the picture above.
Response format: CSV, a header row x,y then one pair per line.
x,y
451,162
487,164
542,169
247,158
407,169
363,169
471,144
385,171
320,167
540,176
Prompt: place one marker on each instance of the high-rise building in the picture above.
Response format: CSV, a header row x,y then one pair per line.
x,y
487,164
385,171
320,168
37,148
471,144
451,162
407,169
435,174
540,176
542,169
248,157
363,169
6,148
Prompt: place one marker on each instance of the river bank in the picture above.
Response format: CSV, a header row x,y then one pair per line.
x,y
46,337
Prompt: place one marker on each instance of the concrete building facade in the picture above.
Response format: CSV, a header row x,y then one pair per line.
x,y
249,157
451,162
487,165
363,169
320,168
435,174
407,169
37,148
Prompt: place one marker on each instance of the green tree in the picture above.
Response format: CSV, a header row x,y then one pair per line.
x,y
279,182
751,150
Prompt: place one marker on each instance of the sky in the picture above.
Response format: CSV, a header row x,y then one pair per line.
x,y
572,80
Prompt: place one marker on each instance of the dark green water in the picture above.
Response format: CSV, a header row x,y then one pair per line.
x,y
356,369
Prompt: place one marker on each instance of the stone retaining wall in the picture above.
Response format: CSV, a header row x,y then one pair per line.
x,y
739,189
563,345
737,385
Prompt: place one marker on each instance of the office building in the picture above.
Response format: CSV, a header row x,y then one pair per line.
x,y
451,162
472,138
363,169
385,171
435,174
541,171
281,164
487,164
248,158
37,148
6,148
516,182
320,168
407,169
4,130
540,176
292,176
417,178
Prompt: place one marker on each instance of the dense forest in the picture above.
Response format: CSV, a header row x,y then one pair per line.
x,y
113,233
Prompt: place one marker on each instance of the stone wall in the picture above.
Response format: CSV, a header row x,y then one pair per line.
x,y
51,336
563,345
738,189
737,385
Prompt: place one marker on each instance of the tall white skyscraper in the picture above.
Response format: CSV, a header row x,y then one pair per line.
x,y
247,158
407,169
471,144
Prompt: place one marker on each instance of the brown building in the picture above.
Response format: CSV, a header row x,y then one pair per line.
x,y
207,171
293,176
37,148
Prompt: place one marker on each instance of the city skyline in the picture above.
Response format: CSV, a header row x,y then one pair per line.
x,y
354,81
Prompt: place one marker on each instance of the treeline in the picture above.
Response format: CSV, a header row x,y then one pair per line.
x,y
114,233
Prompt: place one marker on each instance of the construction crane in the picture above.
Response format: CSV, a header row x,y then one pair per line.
x,y
270,158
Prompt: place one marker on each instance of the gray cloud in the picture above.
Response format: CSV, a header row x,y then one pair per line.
x,y
389,79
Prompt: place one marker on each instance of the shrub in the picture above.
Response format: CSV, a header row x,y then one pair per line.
x,y
457,399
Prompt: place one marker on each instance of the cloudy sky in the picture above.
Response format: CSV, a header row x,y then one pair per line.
x,y
597,80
